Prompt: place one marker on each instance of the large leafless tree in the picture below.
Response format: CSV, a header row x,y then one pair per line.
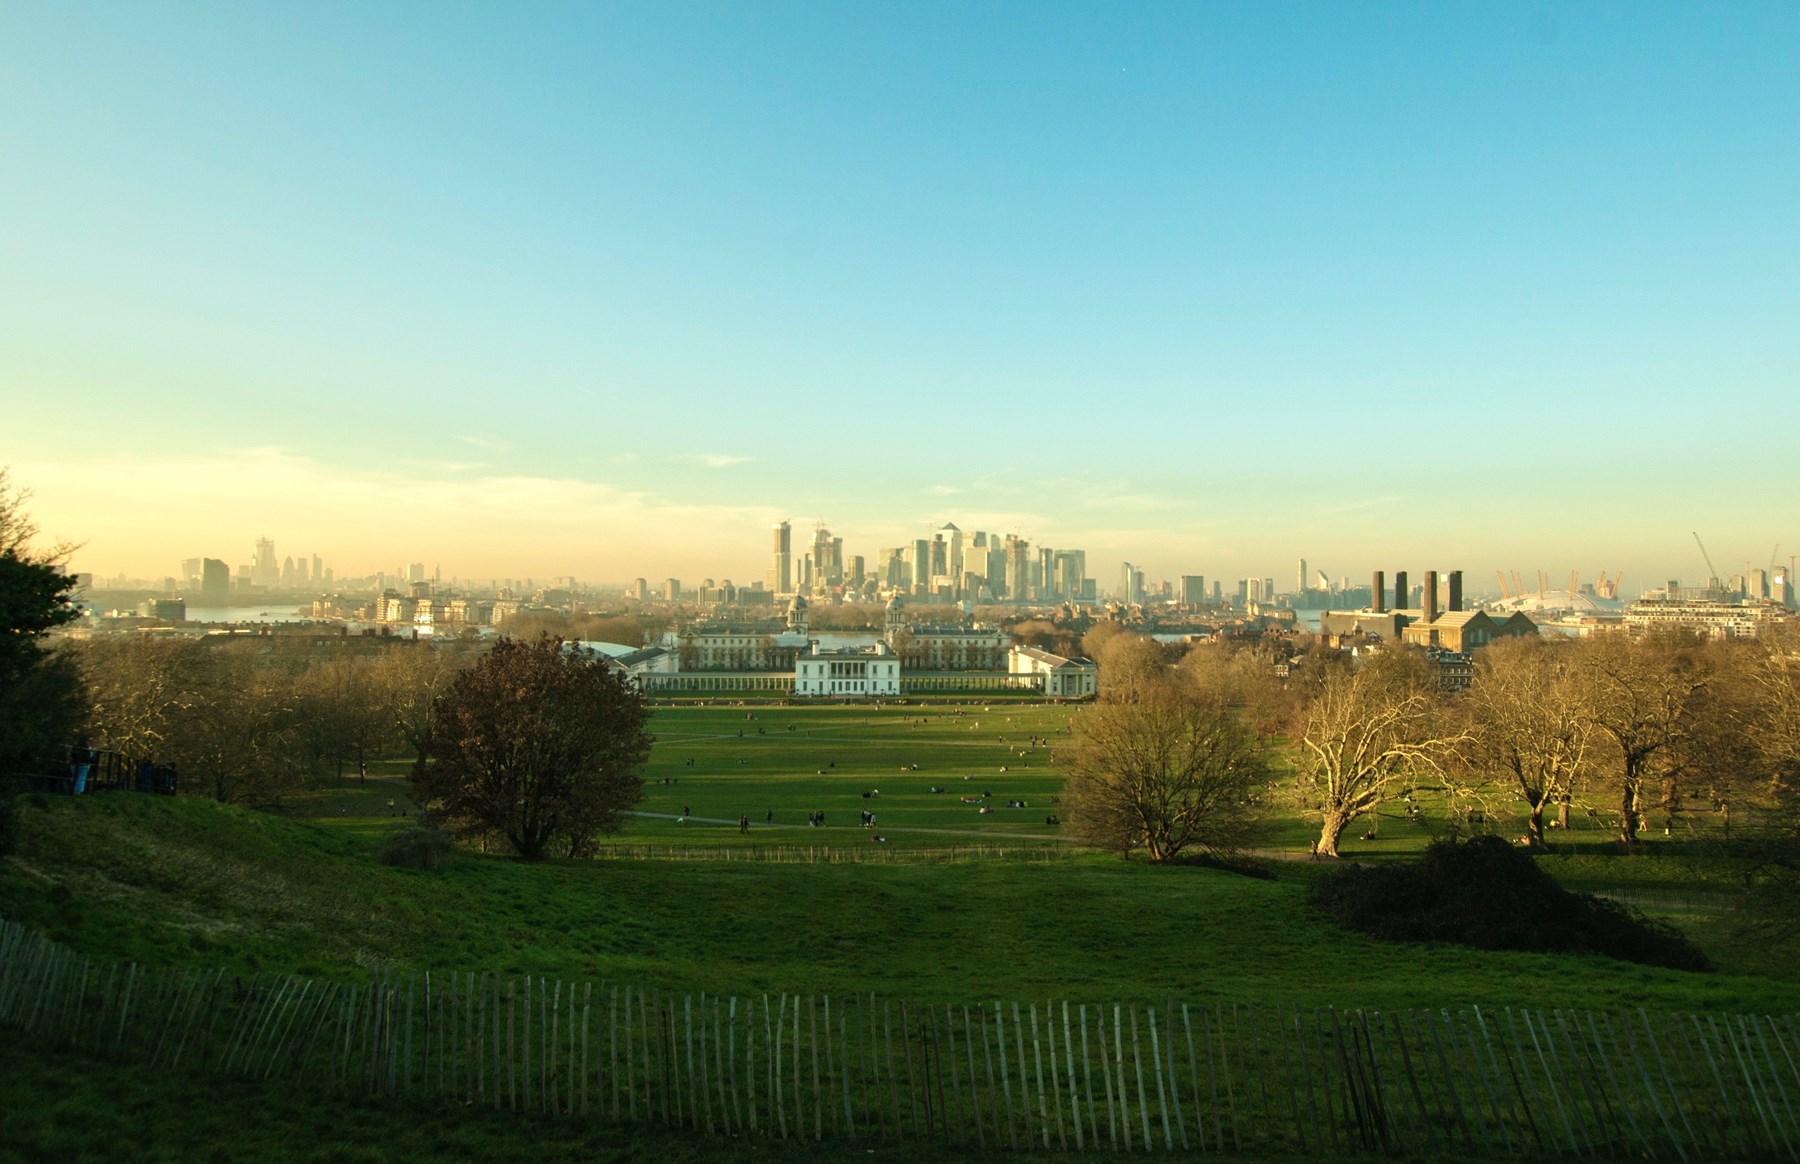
x,y
1166,771
1529,721
1366,735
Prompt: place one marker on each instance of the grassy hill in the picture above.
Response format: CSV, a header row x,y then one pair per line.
x,y
187,881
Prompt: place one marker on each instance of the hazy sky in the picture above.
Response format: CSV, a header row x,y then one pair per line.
x,y
604,290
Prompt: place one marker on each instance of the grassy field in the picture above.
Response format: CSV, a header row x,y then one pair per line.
x,y
714,762
189,882
67,1108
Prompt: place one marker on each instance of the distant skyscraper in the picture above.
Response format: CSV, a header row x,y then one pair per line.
x,y
1018,568
1301,585
215,582
781,575
1193,589
264,569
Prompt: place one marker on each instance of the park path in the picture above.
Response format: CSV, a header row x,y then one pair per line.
x,y
731,822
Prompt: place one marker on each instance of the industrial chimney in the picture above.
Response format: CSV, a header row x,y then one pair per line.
x,y
1402,598
1456,590
1379,591
1431,597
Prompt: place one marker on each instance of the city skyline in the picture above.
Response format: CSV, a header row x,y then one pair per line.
x,y
309,572
595,291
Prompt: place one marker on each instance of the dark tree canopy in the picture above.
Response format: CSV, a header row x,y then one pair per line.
x,y
539,742
40,692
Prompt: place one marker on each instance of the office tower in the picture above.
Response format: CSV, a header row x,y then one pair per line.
x,y
921,565
416,572
781,576
215,582
857,571
640,589
264,570
1301,585
890,567
1268,589
1070,572
672,589
1193,589
1018,568
953,553
318,569
190,573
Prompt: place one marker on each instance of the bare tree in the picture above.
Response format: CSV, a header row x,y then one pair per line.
x,y
1165,772
1529,722
1638,693
227,721
1130,663
407,681
1368,734
1242,677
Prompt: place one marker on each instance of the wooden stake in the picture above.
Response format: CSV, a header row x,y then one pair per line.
x,y
1037,1056
1137,1062
1162,1095
1005,1077
974,1080
812,1020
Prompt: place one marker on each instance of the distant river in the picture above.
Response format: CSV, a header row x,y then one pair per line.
x,y
276,613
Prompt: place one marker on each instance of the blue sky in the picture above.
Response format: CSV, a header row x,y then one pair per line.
x,y
604,290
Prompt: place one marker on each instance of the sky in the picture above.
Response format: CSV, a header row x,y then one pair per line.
x,y
605,290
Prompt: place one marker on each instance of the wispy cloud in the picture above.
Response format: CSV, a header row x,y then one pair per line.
x,y
492,444
946,490
716,460
361,519
1340,508
1119,497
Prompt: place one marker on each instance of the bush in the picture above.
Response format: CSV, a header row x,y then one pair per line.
x,y
1488,894
416,849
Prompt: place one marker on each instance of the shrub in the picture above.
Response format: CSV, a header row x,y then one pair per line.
x,y
416,848
1486,893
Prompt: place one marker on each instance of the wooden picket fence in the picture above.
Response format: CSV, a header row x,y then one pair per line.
x,y
1010,1076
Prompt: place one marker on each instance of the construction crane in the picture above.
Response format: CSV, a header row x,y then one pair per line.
x,y
1712,572
1504,592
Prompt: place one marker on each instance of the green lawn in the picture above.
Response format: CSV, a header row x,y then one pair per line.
x,y
73,1110
189,882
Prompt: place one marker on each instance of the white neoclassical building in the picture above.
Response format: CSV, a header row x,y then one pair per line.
x,y
848,672
1055,676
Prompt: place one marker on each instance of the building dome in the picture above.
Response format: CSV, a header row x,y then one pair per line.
x,y
799,603
896,603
